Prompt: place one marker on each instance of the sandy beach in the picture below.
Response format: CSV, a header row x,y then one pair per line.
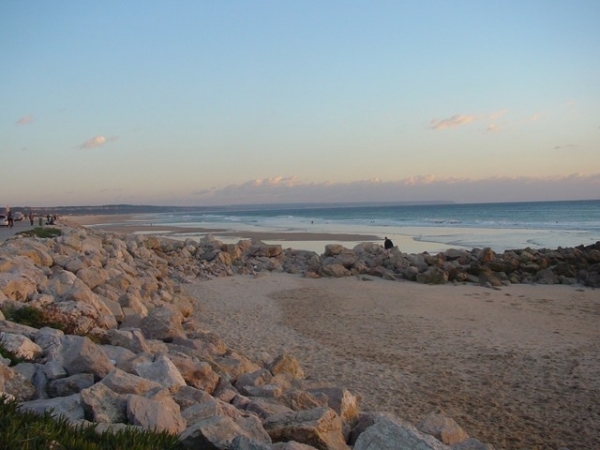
x,y
312,239
516,367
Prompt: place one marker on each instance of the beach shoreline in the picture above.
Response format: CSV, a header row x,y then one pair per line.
x,y
515,366
314,238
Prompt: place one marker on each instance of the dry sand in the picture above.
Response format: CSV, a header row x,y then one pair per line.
x,y
517,367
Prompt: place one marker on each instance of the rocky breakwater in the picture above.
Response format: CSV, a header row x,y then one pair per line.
x,y
210,257
96,328
578,265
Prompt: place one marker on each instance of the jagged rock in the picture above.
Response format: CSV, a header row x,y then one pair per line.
x,y
127,383
50,340
442,428
17,286
299,399
92,277
154,414
69,407
81,355
262,407
319,427
162,323
20,346
234,364
259,377
131,339
334,270
15,384
286,365
163,371
433,275
101,404
63,387
198,374
390,433
188,396
54,369
342,401
117,355
218,432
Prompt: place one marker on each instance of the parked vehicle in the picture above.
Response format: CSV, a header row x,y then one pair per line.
x,y
3,220
18,216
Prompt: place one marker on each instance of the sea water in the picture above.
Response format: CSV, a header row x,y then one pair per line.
x,y
430,227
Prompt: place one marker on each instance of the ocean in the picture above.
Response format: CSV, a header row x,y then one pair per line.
x,y
414,228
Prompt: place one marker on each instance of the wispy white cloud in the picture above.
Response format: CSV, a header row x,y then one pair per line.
x,y
498,114
25,120
96,141
452,122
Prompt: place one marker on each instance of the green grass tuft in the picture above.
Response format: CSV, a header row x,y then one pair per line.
x,y
41,232
33,317
25,430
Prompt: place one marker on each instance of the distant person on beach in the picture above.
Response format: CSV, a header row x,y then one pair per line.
x,y
10,219
388,245
31,218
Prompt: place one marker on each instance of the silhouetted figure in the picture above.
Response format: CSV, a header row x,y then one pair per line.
x,y
388,245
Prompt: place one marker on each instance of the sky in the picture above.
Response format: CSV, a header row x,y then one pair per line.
x,y
219,102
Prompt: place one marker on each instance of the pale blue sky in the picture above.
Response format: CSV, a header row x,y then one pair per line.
x,y
218,102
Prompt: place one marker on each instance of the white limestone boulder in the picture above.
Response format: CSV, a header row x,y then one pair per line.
x,y
21,346
81,355
391,433
319,427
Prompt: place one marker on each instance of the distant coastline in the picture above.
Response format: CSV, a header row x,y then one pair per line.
x,y
161,209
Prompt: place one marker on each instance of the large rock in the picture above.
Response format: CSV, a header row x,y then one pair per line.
x,y
342,401
92,277
127,383
21,346
81,355
154,415
286,365
319,427
16,286
163,371
442,428
216,432
390,433
15,384
103,405
63,387
196,373
67,407
163,323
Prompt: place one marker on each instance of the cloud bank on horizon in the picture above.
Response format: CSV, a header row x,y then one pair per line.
x,y
419,189
182,103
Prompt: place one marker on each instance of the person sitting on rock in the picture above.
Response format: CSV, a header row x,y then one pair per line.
x,y
388,245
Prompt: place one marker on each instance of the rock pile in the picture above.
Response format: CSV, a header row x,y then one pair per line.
x,y
123,345
209,258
